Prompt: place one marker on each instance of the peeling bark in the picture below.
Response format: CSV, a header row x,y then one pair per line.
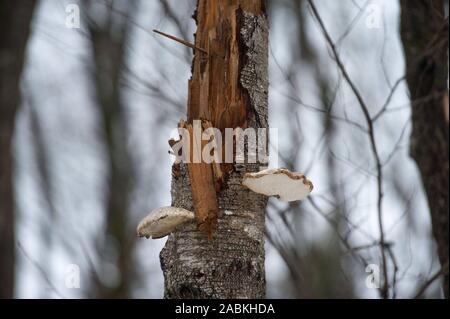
x,y
229,89
203,188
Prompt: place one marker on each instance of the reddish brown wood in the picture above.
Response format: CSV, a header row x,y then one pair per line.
x,y
215,93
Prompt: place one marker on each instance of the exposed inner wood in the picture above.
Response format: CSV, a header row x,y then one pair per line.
x,y
231,265
216,94
203,188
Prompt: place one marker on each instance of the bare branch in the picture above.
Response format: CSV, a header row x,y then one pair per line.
x,y
442,272
365,110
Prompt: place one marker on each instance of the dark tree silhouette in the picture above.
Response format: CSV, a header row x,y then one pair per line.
x,y
424,31
15,21
109,41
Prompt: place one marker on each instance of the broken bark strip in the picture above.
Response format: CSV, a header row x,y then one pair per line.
x,y
228,89
215,92
203,188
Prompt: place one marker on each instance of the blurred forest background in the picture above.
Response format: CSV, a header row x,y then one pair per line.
x,y
85,115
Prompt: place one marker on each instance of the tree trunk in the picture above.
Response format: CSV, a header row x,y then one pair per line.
x,y
229,89
109,49
424,31
15,21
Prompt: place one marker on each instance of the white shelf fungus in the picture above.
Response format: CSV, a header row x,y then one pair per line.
x,y
163,221
286,185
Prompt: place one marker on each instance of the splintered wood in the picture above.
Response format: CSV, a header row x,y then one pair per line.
x,y
215,94
202,180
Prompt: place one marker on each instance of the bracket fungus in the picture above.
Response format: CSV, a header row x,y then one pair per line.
x,y
286,185
163,221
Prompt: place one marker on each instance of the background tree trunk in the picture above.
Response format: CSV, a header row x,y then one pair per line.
x,y
229,88
110,64
424,31
15,21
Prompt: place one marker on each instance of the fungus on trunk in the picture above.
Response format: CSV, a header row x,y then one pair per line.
x,y
163,221
286,185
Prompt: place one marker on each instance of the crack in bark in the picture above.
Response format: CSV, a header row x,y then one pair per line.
x,y
232,264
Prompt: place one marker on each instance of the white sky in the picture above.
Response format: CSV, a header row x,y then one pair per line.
x,y
56,79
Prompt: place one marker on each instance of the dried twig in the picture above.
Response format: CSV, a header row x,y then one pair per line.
x,y
186,43
443,271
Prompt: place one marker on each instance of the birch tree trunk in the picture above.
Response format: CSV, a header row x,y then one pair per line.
x,y
228,88
15,21
424,31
